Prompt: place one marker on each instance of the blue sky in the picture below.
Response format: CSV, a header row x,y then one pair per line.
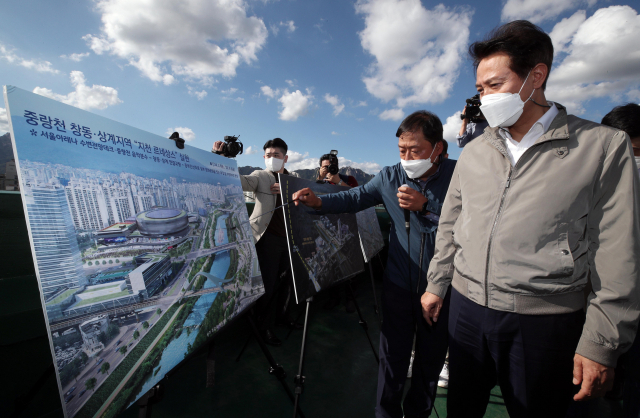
x,y
321,75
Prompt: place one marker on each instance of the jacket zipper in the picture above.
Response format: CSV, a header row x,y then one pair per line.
x,y
493,230
495,223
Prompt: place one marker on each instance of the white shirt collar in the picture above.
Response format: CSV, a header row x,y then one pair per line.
x,y
516,149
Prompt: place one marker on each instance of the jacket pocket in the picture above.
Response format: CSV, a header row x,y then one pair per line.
x,y
564,250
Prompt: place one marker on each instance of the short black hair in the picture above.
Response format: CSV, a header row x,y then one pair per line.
x,y
424,121
626,118
525,43
276,143
445,147
326,157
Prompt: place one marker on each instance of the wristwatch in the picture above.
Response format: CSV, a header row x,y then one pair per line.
x,y
424,210
339,183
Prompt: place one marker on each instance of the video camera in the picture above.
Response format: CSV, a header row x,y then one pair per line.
x,y
231,147
472,110
179,141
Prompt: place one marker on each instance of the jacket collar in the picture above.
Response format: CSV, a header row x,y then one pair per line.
x,y
559,129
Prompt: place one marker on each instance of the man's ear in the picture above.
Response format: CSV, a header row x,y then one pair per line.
x,y
286,158
539,73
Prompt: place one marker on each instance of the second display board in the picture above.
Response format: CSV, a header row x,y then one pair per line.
x,y
324,249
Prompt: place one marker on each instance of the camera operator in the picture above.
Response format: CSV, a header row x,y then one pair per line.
x,y
473,124
270,236
415,187
329,172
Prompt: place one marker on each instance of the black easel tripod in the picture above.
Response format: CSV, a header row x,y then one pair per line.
x,y
300,378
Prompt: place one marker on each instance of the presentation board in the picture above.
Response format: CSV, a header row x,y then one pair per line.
x,y
143,251
371,239
324,249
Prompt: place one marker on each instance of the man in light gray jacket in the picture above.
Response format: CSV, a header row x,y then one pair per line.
x,y
539,205
270,236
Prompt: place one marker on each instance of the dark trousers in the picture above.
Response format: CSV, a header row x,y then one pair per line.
x,y
400,310
273,256
530,356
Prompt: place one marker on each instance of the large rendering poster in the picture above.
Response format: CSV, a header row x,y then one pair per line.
x,y
324,249
370,234
142,250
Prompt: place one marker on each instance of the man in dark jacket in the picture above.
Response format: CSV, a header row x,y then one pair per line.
x,y
418,185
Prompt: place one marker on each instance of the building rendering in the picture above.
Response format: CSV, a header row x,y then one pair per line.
x,y
54,238
152,272
90,331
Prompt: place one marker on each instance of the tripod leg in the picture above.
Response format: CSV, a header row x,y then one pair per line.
x,y
364,324
211,365
299,379
275,368
375,297
296,321
264,318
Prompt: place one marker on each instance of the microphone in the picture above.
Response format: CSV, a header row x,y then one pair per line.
x,y
407,214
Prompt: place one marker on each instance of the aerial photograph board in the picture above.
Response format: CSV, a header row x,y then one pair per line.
x,y
371,238
324,249
142,250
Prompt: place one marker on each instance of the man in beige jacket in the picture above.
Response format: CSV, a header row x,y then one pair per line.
x,y
539,205
270,236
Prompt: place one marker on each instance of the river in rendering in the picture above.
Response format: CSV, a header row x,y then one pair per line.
x,y
221,231
174,353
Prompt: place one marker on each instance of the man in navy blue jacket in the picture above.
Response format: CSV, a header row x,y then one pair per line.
x,y
425,176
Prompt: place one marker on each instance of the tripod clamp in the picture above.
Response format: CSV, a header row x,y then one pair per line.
x,y
299,381
278,371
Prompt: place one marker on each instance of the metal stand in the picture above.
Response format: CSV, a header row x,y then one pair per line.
x,y
275,368
153,396
375,297
364,324
299,379
211,365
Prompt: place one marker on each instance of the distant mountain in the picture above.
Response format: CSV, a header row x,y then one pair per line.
x,y
247,169
6,151
361,176
310,174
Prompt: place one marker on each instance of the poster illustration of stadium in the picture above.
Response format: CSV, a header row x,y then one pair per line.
x,y
324,249
142,252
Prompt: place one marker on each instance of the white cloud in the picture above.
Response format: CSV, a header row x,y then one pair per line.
x,y
334,133
251,150
37,65
361,104
538,11
84,97
291,83
602,59
298,161
4,121
269,92
199,94
335,102
367,167
417,51
294,104
392,114
76,57
452,127
185,133
194,39
289,25
563,31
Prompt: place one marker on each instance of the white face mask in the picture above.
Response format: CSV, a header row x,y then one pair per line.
x,y
273,164
416,168
503,109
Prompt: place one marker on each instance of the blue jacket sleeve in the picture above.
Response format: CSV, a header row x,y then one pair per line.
x,y
354,200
